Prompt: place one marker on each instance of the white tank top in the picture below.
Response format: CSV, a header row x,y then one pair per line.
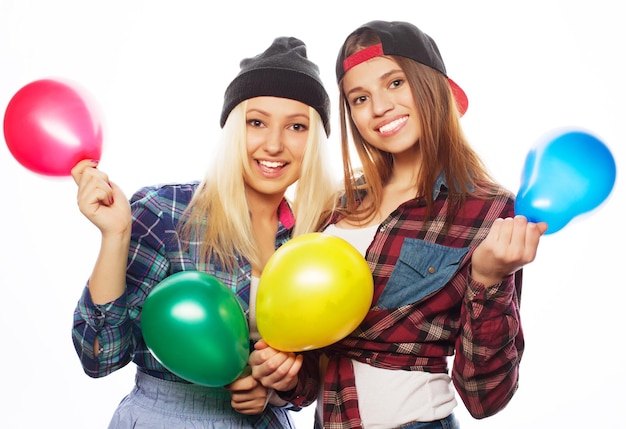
x,y
391,398
254,287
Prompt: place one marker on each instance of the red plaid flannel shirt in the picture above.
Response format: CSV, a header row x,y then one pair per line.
x,y
478,325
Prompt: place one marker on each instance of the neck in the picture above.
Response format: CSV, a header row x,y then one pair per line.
x,y
263,207
406,168
264,219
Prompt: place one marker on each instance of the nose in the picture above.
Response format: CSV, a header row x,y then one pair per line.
x,y
381,103
274,141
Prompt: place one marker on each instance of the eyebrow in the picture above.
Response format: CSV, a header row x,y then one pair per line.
x,y
266,113
383,76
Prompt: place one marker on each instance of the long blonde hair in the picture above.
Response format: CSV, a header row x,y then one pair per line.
x,y
443,146
218,215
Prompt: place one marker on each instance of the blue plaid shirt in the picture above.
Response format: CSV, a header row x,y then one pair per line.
x,y
155,253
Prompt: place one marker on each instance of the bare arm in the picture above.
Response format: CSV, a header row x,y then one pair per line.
x,y
106,206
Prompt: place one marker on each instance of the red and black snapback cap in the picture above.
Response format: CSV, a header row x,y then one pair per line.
x,y
405,40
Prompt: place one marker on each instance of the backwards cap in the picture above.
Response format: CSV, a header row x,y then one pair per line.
x,y
405,40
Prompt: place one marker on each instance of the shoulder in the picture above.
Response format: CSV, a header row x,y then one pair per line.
x,y
164,198
492,201
173,192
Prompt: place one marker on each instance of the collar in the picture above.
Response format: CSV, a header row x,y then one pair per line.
x,y
285,214
439,183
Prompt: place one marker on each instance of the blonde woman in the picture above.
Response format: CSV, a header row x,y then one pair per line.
x,y
275,124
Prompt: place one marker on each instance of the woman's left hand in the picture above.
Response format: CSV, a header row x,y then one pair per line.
x,y
248,396
510,244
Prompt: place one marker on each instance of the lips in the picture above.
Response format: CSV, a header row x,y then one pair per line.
x,y
392,126
271,164
270,167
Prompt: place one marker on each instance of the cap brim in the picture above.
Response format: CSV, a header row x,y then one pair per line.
x,y
461,98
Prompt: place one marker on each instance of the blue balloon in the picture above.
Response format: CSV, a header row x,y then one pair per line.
x,y
564,177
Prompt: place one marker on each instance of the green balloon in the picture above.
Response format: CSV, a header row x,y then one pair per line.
x,y
195,326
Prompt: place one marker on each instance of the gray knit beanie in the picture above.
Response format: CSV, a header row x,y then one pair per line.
x,y
283,70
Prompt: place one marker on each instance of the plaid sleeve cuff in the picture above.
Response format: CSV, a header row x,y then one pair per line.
x,y
115,312
498,296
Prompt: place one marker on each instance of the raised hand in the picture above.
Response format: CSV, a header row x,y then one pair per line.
x,y
100,200
510,244
106,206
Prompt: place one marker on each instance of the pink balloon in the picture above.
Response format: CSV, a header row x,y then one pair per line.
x,y
49,126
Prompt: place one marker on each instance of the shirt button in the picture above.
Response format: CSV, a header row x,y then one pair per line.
x,y
432,270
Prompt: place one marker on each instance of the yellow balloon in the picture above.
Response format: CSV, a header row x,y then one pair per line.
x,y
314,290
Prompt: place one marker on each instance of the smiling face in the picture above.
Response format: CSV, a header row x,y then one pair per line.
x,y
382,105
277,130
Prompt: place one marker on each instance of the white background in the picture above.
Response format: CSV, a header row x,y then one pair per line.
x,y
159,69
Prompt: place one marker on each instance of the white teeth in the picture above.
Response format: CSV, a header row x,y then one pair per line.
x,y
271,164
392,125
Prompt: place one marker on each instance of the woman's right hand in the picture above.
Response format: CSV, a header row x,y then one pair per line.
x,y
100,200
510,244
274,369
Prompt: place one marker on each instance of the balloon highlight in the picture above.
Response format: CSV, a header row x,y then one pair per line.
x,y
563,177
194,325
314,291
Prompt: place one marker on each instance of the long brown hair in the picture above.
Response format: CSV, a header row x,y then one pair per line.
x,y
443,146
